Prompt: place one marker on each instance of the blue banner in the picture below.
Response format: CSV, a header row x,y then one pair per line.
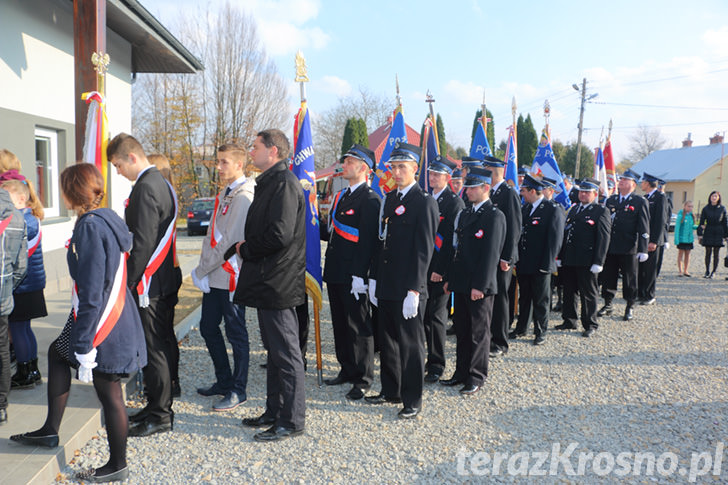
x,y
383,181
430,151
544,163
480,147
511,160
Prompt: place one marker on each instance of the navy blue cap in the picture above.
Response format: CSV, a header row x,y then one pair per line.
x,y
457,174
646,177
362,153
493,162
477,176
629,174
547,182
587,184
441,165
404,152
610,183
524,170
661,182
472,162
531,182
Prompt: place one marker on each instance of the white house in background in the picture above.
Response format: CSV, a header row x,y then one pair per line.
x,y
37,97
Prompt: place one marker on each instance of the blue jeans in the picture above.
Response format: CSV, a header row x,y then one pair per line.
x,y
217,306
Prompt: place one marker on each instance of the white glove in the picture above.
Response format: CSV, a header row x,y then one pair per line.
x,y
642,257
373,292
596,269
667,246
88,363
558,263
409,307
358,287
202,283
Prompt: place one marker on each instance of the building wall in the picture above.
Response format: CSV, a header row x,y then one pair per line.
x,y
709,181
681,191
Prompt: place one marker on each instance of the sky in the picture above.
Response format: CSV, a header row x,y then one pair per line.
x,y
663,64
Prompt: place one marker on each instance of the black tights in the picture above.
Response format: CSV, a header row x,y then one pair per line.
x,y
715,250
108,390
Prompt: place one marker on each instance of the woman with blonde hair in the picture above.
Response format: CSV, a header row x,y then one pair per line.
x,y
684,237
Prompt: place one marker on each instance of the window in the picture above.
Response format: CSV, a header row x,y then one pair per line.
x,y
685,197
46,170
669,194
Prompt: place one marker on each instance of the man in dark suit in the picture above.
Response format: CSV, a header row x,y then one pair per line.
x,y
456,182
627,245
349,258
150,214
407,229
668,215
541,235
467,163
647,274
582,255
436,313
504,198
273,280
472,277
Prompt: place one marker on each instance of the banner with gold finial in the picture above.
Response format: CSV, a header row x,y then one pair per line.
x,y
96,137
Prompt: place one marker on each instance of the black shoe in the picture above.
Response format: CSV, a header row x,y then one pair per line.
x,y
355,393
628,313
276,433
496,352
565,326
263,366
92,476
469,389
588,332
650,301
262,420
139,417
34,372
450,330
47,441
408,412
432,377
213,390
176,389
453,381
514,335
22,378
538,340
148,428
707,274
231,400
557,307
607,309
340,379
3,416
381,399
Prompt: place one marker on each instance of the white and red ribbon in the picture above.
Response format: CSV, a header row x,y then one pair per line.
x,y
231,265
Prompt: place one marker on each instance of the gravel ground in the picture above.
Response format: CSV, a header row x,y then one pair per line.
x,y
653,387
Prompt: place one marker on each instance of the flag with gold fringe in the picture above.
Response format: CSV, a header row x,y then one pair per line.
x,y
97,134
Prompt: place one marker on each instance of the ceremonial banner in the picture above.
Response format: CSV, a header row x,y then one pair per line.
x,y
511,160
97,134
544,163
383,181
430,151
609,161
302,166
480,147
600,173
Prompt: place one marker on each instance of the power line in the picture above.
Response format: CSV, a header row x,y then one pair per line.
x,y
662,126
660,106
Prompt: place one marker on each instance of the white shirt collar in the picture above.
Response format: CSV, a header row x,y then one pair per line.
x,y
404,191
234,185
652,192
437,195
352,188
479,205
495,187
142,171
535,205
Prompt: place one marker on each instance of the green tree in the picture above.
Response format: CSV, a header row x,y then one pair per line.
x,y
355,131
489,132
362,135
527,140
500,152
568,161
441,135
348,138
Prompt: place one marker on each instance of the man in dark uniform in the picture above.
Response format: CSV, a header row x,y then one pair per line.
x,y
628,243
647,274
582,255
349,257
540,241
522,172
668,215
408,225
472,277
436,313
456,182
505,198
467,163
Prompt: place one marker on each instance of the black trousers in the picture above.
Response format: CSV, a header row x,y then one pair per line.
x,y
579,278
353,339
4,361
402,352
303,325
472,331
286,394
535,295
435,327
501,319
647,276
160,354
660,253
627,263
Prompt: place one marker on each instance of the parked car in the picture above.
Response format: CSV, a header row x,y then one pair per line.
x,y
671,225
198,216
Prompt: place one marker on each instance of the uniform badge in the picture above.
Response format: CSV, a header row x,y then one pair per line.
x,y
629,208
441,218
535,222
350,212
399,210
225,209
590,222
126,203
479,234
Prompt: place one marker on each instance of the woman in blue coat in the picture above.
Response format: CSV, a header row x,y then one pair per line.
x,y
103,337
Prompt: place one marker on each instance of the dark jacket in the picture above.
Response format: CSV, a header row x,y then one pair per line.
x,y
586,236
713,226
344,255
630,224
35,278
658,212
480,238
508,202
411,225
93,256
273,273
148,214
541,238
449,205
15,252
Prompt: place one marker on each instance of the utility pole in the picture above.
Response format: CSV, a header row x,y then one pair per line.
x,y
584,99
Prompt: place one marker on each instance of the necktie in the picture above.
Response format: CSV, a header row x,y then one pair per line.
x,y
346,193
227,191
399,195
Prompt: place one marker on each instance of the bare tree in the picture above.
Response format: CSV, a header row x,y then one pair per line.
x,y
645,141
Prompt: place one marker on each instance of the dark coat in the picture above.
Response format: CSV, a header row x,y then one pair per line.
x,y
668,215
273,273
630,224
14,252
712,226
35,278
344,257
148,214
449,205
98,239
540,240
509,203
404,258
480,239
658,211
586,236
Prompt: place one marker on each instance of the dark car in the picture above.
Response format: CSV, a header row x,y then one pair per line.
x,y
198,216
